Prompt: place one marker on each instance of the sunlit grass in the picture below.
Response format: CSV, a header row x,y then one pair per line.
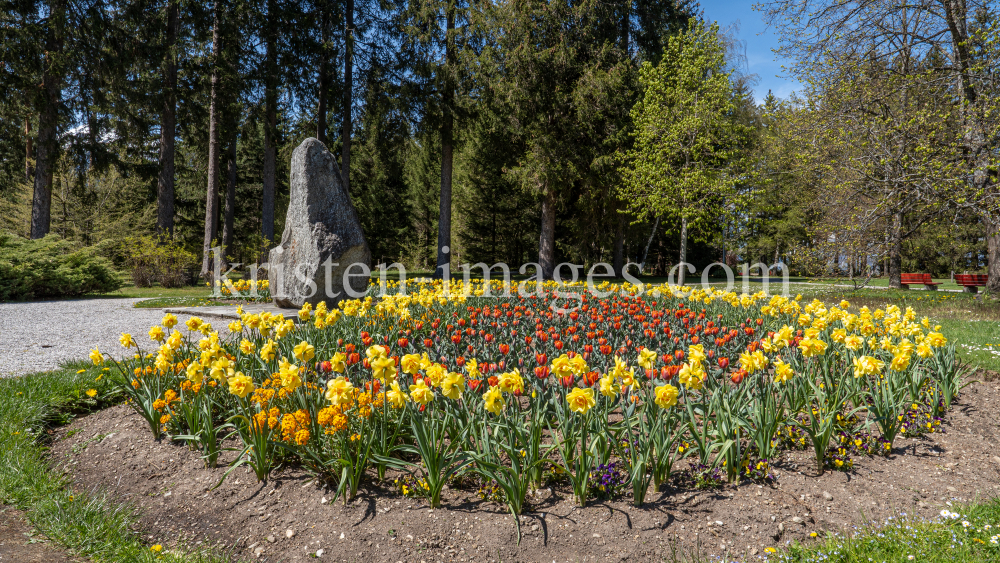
x,y
89,525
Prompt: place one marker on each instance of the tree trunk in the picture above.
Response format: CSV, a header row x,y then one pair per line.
x,y
547,239
447,125
48,123
212,195
269,173
345,149
165,182
993,256
619,254
29,150
324,76
684,250
896,250
229,212
645,252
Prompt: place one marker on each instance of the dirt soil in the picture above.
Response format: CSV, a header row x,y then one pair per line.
x,y
291,518
19,543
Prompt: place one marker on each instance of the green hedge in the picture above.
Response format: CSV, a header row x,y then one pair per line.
x,y
51,267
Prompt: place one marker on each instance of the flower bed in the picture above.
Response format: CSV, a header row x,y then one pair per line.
x,y
604,399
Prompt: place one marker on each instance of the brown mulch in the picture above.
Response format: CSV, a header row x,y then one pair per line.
x,y
291,518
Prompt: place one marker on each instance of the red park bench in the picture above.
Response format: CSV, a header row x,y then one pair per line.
x,y
970,282
917,279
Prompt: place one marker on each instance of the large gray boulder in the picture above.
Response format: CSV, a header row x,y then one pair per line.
x,y
322,236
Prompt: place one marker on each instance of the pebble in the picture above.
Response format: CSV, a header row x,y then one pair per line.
x,y
827,495
31,340
270,539
289,533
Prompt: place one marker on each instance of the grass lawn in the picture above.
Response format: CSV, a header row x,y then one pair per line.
x,y
85,524
970,533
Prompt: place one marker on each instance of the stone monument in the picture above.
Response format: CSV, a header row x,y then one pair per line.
x,y
322,237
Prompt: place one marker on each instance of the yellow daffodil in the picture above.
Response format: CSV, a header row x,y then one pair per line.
x,y
169,321
854,342
511,381
494,400
96,357
562,367
240,385
867,365
609,387
376,351
156,333
666,396
421,393
782,371
935,339
578,365
813,347
396,396
900,361
646,359
339,391
410,363
195,373
452,386
268,350
384,369
304,351
581,400
690,375
924,351
620,369
289,374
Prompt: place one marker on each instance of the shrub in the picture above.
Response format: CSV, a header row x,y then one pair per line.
x,y
152,260
52,267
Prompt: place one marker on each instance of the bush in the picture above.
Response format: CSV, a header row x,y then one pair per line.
x,y
52,267
154,260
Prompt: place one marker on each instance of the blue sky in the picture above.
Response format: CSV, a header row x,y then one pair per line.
x,y
759,40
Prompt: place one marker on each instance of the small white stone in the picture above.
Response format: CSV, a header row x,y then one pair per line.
x,y
289,533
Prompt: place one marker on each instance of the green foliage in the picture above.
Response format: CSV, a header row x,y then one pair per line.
x,y
153,260
51,267
685,164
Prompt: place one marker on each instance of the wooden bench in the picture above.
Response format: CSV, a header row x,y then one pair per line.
x,y
971,282
917,279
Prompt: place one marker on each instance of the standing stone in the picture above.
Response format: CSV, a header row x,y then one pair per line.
x,y
322,235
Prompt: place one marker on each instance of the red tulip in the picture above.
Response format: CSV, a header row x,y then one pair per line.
x,y
738,376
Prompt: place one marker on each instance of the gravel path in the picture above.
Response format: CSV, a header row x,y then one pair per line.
x,y
39,336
